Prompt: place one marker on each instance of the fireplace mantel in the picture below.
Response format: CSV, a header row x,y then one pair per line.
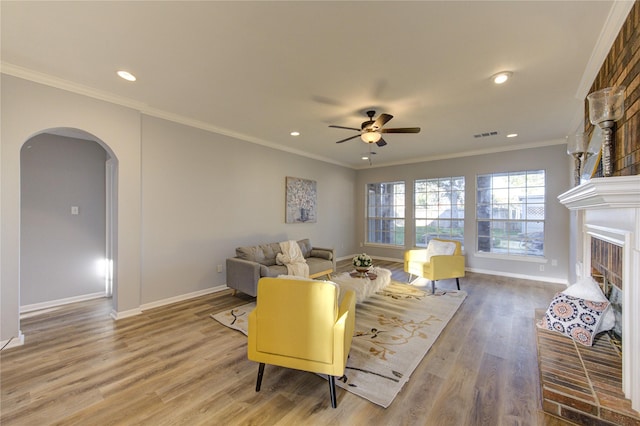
x,y
609,209
604,193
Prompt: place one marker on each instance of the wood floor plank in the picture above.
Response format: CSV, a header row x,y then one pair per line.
x,y
174,365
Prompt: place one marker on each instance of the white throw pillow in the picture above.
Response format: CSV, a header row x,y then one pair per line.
x,y
588,289
438,248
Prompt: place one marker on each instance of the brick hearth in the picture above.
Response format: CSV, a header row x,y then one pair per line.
x,y
582,384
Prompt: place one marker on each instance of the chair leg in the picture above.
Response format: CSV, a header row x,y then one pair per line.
x,y
332,391
433,286
458,282
260,374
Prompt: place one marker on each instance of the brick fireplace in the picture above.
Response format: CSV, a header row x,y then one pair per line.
x,y
608,241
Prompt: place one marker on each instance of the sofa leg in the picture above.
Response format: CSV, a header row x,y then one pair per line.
x,y
458,282
433,286
260,374
332,391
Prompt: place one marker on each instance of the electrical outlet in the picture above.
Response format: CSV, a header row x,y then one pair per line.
x,y
541,268
554,262
219,268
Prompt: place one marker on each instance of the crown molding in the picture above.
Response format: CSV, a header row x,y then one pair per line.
x,y
142,108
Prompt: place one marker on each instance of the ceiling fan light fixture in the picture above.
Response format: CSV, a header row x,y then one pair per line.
x,y
126,75
370,136
501,77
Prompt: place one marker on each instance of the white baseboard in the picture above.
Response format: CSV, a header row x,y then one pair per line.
x,y
158,303
182,297
125,314
390,259
59,302
521,276
482,271
13,342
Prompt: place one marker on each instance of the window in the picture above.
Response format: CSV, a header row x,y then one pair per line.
x,y
439,209
385,213
510,213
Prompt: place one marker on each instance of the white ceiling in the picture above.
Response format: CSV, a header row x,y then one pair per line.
x,y
259,70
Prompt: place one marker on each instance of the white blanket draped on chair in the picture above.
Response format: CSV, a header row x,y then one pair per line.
x,y
293,259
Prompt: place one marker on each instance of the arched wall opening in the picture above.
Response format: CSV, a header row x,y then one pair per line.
x,y
68,189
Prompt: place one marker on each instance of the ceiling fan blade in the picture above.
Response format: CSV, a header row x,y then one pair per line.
x,y
381,121
348,139
381,142
342,127
402,130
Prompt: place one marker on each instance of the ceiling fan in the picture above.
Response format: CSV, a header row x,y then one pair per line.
x,y
371,130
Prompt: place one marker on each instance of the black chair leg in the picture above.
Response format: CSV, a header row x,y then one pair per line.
x,y
332,391
260,374
458,282
433,286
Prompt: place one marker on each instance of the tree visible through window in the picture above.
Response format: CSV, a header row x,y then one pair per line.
x,y
439,209
510,213
385,213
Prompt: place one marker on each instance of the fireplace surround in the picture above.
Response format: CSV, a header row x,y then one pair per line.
x,y
608,210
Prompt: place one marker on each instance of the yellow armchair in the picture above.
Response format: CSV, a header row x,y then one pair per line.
x,y
298,324
429,263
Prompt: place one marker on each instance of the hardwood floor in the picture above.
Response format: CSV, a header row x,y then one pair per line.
x,y
174,365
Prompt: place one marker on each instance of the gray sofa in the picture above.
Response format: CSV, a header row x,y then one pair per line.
x,y
254,262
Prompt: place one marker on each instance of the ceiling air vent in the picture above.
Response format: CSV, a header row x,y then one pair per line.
x,y
485,134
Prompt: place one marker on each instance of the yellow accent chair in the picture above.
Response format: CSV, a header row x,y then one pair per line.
x,y
298,324
439,261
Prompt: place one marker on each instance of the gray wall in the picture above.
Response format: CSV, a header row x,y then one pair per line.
x,y
60,252
204,194
553,159
30,108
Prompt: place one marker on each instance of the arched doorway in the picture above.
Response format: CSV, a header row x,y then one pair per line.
x,y
68,202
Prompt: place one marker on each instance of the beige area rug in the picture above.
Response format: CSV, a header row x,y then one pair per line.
x,y
395,328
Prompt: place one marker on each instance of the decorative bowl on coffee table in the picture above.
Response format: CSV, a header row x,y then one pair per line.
x,y
362,271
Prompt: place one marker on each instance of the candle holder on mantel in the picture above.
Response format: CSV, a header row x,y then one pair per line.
x,y
606,106
576,147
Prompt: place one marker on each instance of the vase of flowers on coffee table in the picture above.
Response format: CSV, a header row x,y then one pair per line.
x,y
362,263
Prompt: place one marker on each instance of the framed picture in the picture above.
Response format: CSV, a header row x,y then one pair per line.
x,y
301,199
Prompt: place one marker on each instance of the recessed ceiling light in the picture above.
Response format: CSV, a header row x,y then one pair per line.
x,y
127,75
501,77
512,135
295,133
364,157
